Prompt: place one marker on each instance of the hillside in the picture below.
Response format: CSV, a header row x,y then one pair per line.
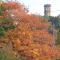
x,y
25,35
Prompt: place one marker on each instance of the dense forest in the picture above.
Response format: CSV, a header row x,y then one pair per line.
x,y
25,36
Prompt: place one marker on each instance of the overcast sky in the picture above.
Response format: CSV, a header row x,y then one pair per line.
x,y
37,6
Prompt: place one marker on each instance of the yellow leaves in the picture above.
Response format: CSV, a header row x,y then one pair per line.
x,y
30,38
35,52
46,48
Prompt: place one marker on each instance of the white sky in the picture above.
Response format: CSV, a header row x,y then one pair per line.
x,y
37,6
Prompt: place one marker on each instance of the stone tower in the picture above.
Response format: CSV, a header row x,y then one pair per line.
x,y
47,9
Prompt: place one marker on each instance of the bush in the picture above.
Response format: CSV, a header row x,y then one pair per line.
x,y
6,53
58,38
2,31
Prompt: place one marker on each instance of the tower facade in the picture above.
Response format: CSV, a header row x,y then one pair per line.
x,y
47,9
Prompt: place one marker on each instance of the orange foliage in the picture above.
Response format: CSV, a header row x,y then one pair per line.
x,y
30,38
10,5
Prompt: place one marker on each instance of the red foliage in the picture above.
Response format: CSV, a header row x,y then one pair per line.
x,y
30,38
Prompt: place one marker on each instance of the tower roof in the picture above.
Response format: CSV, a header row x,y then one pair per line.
x,y
47,5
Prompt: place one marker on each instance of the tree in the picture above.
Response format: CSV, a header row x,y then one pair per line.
x,y
30,39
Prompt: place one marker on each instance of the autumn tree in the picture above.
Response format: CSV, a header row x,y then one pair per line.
x,y
30,38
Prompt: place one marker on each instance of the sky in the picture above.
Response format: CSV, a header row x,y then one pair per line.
x,y
37,6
